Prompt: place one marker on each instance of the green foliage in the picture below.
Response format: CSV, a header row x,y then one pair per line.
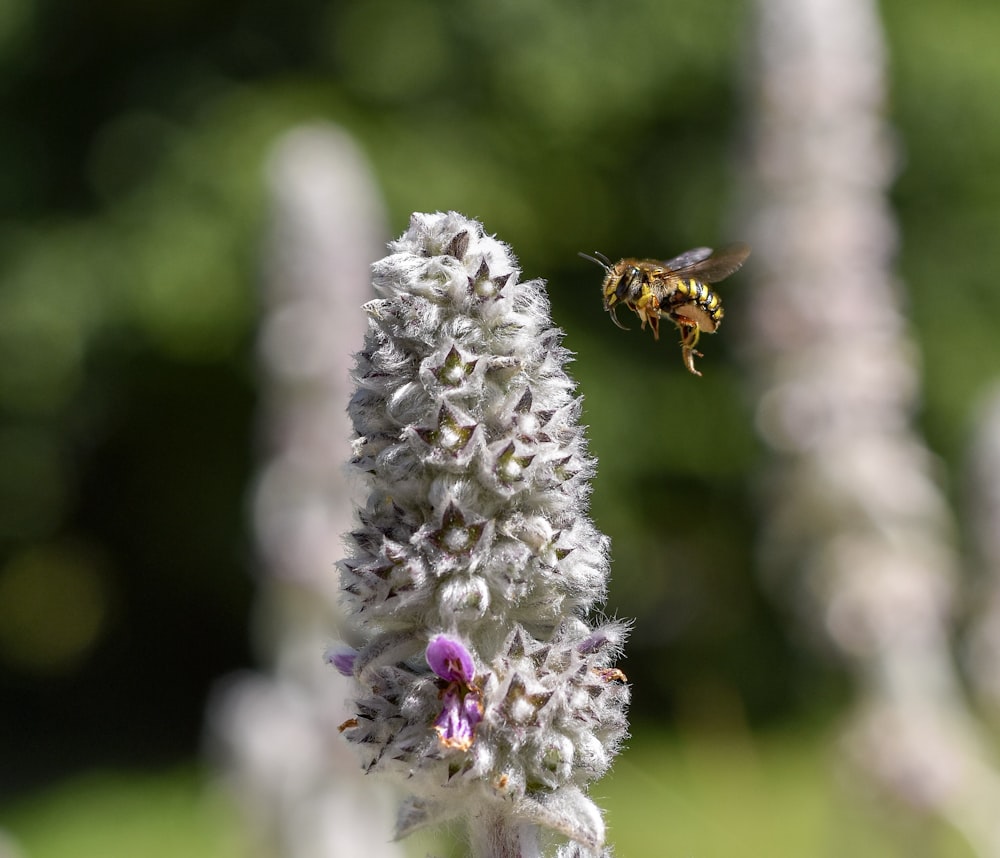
x,y
948,198
119,815
726,794
132,204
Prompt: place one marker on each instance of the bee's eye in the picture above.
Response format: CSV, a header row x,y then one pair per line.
x,y
628,280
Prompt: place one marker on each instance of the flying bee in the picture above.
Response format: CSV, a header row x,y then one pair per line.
x,y
675,289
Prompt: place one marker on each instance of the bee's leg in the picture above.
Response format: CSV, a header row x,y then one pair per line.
x,y
690,333
654,323
646,317
688,355
648,308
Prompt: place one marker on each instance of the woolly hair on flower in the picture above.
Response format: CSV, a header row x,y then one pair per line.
x,y
481,684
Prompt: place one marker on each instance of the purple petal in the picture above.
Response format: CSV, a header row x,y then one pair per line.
x,y
450,660
456,725
594,642
473,707
343,659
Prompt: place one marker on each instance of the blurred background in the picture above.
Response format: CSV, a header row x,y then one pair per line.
x,y
135,216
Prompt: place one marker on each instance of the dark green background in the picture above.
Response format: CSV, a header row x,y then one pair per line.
x,y
131,211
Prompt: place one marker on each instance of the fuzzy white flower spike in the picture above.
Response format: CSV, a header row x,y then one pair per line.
x,y
482,686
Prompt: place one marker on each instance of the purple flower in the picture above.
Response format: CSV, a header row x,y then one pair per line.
x,y
450,660
343,659
463,710
463,701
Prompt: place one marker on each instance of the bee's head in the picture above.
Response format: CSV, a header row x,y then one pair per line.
x,y
619,281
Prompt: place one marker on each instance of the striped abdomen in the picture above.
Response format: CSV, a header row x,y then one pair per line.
x,y
703,298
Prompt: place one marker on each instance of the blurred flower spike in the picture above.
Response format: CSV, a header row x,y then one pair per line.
x,y
473,570
463,702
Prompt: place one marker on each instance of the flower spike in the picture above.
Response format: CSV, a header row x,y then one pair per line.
x,y
474,561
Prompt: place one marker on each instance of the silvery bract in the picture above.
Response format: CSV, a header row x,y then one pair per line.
x,y
474,567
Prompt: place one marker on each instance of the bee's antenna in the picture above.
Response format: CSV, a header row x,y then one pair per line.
x,y
598,257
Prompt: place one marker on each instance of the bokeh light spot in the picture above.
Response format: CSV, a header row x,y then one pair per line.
x,y
53,608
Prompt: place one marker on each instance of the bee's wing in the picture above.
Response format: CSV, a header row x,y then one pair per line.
x,y
711,267
687,258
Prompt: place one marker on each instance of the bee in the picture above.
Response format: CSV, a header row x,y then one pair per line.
x,y
675,289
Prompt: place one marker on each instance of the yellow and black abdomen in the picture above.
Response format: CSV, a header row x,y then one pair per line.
x,y
695,301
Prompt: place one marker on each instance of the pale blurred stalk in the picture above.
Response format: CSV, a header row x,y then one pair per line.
x,y
302,790
857,531
984,515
